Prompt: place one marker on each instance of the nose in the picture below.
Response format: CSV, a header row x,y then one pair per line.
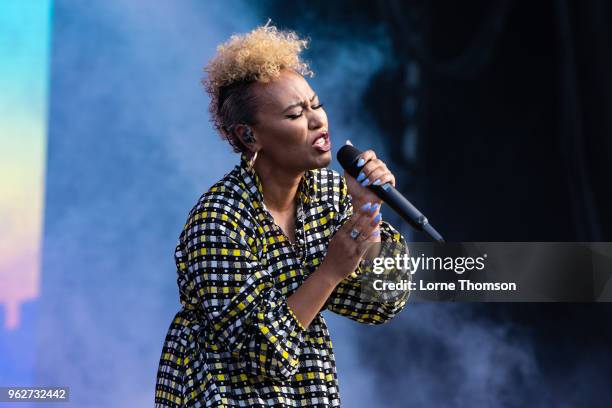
x,y
316,119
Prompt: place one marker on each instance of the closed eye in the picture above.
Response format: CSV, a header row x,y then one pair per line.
x,y
292,117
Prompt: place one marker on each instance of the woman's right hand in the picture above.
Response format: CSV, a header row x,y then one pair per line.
x,y
345,252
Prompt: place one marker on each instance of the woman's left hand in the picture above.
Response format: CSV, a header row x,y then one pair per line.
x,y
372,171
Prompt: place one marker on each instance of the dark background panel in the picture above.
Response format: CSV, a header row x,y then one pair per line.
x,y
496,120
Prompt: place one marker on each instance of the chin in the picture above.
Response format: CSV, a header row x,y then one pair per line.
x,y
323,160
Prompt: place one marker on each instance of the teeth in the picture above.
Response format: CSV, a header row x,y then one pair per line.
x,y
319,142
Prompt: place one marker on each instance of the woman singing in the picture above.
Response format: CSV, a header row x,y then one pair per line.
x,y
276,241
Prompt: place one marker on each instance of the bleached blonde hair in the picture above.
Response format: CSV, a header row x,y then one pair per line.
x,y
257,56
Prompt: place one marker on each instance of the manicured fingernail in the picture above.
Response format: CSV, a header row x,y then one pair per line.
x,y
386,186
378,217
374,208
366,206
361,176
365,182
376,233
376,182
360,163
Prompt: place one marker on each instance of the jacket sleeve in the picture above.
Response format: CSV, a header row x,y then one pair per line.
x,y
351,298
221,276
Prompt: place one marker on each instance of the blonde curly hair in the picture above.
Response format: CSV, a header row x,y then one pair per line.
x,y
257,56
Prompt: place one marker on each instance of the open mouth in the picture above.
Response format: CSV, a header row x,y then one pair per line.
x,y
322,143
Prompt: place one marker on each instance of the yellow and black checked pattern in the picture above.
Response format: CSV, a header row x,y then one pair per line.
x,y
235,342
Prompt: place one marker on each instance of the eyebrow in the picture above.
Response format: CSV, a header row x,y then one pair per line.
x,y
301,103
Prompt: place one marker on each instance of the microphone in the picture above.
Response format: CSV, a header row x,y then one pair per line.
x,y
348,157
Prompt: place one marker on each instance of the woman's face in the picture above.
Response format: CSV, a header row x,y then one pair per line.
x,y
292,126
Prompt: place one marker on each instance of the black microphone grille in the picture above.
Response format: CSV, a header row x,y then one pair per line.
x,y
347,157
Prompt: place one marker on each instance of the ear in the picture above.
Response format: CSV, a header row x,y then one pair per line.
x,y
240,131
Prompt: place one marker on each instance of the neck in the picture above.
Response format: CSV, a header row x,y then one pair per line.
x,y
279,186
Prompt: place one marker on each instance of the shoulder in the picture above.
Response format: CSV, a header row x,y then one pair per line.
x,y
224,205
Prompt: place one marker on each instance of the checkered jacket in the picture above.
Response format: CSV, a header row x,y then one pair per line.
x,y
235,342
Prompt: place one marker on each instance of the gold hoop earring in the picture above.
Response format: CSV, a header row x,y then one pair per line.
x,y
252,161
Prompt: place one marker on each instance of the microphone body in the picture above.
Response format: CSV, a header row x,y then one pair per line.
x,y
348,157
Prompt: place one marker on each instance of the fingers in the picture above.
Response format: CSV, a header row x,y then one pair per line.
x,y
373,170
365,220
380,176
